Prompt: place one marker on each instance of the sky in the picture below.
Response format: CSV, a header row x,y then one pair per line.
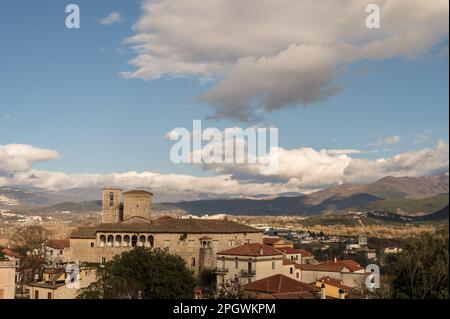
x,y
91,107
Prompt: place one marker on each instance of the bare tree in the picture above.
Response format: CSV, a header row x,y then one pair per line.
x,y
31,243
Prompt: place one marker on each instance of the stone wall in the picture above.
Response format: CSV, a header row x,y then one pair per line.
x,y
188,246
137,204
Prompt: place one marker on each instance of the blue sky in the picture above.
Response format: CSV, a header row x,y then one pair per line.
x,y
62,90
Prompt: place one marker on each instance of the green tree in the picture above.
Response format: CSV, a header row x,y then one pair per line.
x,y
420,271
142,273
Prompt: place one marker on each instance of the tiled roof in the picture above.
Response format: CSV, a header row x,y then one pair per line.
x,y
290,251
334,282
11,253
175,225
254,249
332,266
58,243
290,295
138,192
275,240
279,284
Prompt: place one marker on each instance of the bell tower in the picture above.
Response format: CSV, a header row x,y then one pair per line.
x,y
112,205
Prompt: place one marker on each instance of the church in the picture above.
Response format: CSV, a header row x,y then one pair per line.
x,y
127,222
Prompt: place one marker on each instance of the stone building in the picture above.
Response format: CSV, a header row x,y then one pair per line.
x,y
130,224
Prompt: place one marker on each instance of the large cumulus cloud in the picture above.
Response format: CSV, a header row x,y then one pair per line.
x,y
266,55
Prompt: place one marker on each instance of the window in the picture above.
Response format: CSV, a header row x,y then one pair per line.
x,y
193,262
61,251
103,260
49,295
36,294
291,271
191,244
273,265
111,199
231,243
297,274
92,244
236,263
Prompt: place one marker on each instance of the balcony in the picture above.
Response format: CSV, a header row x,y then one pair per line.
x,y
248,273
221,270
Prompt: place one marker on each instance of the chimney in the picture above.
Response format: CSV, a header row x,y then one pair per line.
x,y
261,251
323,294
335,260
341,293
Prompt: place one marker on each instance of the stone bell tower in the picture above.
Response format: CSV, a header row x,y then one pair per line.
x,y
112,205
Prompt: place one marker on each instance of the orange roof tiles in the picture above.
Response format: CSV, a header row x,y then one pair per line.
x,y
279,284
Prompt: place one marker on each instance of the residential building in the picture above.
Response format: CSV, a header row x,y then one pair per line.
x,y
58,251
350,272
247,263
333,288
7,278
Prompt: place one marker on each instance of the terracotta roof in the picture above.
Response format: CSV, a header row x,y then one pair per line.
x,y
279,284
275,240
174,225
290,295
137,192
332,266
58,243
290,251
254,249
11,253
334,282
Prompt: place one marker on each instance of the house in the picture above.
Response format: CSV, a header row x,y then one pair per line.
x,y
300,256
18,261
277,242
57,251
7,278
290,269
61,283
350,272
247,263
333,288
280,287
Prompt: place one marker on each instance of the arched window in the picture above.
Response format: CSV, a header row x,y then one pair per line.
x,y
134,241
111,199
110,240
102,240
142,240
151,241
118,241
126,241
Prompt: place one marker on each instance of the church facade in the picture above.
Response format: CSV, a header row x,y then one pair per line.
x,y
127,224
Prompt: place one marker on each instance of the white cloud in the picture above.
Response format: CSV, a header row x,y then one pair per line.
x,y
390,140
300,170
267,55
114,17
20,158
423,137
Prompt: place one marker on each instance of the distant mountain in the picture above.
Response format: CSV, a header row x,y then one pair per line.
x,y
406,195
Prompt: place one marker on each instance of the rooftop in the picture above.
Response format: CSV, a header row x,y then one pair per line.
x,y
174,225
58,243
277,284
254,249
334,282
290,251
333,266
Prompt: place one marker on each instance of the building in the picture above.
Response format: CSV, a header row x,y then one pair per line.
x,y
348,271
58,251
129,224
278,242
59,283
7,278
333,288
280,287
300,256
247,263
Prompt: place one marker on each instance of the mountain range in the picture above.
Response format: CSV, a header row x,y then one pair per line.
x,y
404,195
